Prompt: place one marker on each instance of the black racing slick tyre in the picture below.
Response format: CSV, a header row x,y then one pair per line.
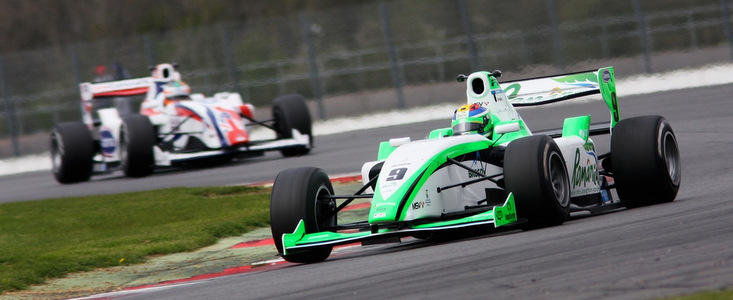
x,y
137,139
72,151
645,161
295,196
535,172
291,112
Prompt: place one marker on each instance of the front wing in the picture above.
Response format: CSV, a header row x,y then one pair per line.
x,y
298,140
503,215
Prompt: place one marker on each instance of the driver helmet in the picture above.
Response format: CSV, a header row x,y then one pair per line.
x,y
471,118
175,91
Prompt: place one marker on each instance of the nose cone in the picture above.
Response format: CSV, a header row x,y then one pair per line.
x,y
237,135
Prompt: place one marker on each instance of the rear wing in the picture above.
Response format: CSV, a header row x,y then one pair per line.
x,y
120,88
549,89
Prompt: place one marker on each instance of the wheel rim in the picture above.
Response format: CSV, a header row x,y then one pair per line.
x,y
671,156
56,153
322,193
279,123
559,179
123,148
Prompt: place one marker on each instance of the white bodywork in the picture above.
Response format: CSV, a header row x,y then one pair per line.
x,y
581,165
218,122
411,156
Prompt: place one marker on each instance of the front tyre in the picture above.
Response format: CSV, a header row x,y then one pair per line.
x,y
291,112
72,151
645,161
297,194
137,139
534,170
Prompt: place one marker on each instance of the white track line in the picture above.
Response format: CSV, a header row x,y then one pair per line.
x,y
635,85
28,163
138,291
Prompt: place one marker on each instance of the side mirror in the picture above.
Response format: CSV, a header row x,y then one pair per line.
x,y
396,142
496,73
461,78
506,128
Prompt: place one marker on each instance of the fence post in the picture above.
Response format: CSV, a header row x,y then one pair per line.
x,y
726,26
556,39
148,51
440,59
229,56
77,76
526,52
691,29
642,33
9,111
313,64
74,66
466,22
604,41
393,60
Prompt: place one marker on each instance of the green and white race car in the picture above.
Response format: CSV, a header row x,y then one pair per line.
x,y
487,170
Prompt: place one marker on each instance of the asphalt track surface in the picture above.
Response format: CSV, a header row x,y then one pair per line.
x,y
668,249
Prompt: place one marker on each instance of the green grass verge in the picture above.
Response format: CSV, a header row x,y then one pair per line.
x,y
50,238
709,295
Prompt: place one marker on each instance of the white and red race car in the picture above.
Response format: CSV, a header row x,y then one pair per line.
x,y
173,126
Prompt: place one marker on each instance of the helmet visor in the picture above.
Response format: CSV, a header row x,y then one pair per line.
x,y
467,127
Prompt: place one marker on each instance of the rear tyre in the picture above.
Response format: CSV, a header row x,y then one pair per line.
x,y
645,161
290,112
72,150
534,170
137,138
294,197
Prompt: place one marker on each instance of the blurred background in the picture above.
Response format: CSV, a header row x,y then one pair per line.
x,y
346,57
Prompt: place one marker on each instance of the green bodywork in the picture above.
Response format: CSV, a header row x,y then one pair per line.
x,y
385,149
576,126
607,85
385,210
503,215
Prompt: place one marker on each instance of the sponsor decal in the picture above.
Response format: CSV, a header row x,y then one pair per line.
x,y
396,174
589,147
500,96
479,167
584,134
380,215
528,99
584,174
107,142
479,170
512,90
420,204
606,76
580,77
555,91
